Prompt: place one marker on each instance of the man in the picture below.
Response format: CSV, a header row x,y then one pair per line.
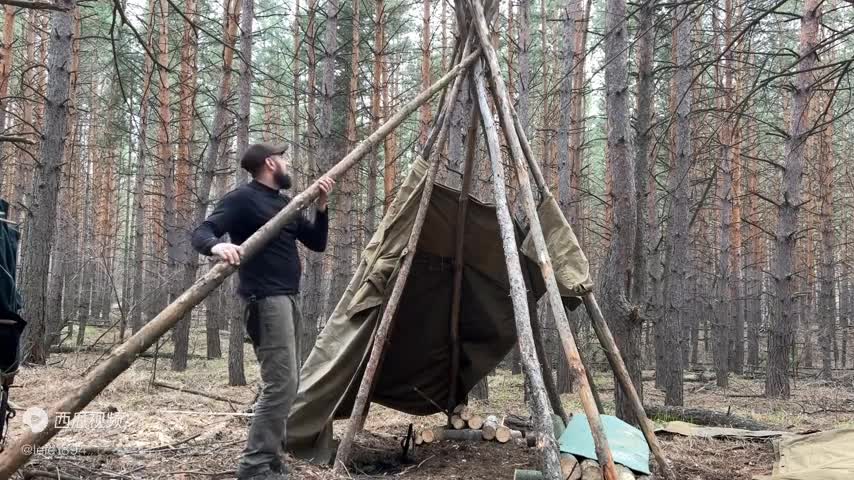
x,y
269,286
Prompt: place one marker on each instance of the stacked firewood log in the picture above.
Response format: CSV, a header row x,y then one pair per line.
x,y
468,426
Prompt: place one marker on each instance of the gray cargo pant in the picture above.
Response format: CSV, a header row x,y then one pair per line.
x,y
273,325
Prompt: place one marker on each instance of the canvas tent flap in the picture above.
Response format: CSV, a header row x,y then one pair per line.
x,y
818,456
572,270
414,376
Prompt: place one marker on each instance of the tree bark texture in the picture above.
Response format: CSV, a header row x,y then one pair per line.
x,y
780,336
675,293
36,262
827,292
617,274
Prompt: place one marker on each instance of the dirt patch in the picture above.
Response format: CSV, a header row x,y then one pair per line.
x,y
165,434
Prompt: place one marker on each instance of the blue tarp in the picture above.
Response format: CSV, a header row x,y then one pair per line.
x,y
628,447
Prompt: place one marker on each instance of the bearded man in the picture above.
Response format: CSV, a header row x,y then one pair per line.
x,y
269,288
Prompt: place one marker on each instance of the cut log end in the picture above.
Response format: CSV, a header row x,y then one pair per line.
x,y
528,475
466,413
504,434
476,422
590,470
428,436
457,422
569,467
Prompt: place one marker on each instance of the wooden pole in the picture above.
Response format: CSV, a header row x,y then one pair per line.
x,y
600,326
539,403
462,209
543,188
551,388
603,453
17,454
357,416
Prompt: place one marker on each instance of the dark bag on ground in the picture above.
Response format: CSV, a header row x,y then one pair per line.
x,y
11,323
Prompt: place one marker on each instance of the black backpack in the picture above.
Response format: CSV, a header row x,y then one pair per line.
x,y
11,323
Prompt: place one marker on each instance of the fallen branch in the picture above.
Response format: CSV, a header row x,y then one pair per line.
x,y
225,473
35,474
179,388
688,377
709,418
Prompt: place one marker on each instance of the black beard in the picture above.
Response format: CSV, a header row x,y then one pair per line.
x,y
282,179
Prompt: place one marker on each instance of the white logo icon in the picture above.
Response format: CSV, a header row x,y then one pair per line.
x,y
36,419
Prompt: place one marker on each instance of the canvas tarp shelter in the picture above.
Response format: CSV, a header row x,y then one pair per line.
x,y
414,375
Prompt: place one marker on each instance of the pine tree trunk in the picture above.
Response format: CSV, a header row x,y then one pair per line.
x,y
344,248
780,337
236,334
724,309
567,197
675,314
577,122
295,115
312,295
848,305
184,259
36,262
426,51
376,90
216,158
62,256
753,261
328,149
389,142
524,73
827,291
244,88
617,275
6,60
645,50
547,121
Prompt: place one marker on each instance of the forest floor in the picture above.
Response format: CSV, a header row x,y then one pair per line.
x,y
159,433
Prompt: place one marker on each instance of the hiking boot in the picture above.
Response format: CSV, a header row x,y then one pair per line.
x,y
267,474
277,466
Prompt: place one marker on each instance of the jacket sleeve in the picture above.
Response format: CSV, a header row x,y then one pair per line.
x,y
221,221
314,234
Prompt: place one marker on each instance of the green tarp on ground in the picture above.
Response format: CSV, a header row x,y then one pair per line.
x,y
414,376
818,456
627,444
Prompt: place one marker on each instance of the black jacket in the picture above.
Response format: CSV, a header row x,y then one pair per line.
x,y
276,269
